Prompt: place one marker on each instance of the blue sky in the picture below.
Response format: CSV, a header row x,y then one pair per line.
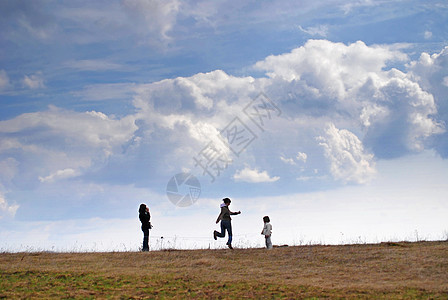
x,y
103,102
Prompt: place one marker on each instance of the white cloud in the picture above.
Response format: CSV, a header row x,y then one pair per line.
x,y
158,16
331,69
92,128
348,7
289,161
353,90
200,93
301,156
59,174
320,30
308,178
253,176
7,210
373,112
428,69
305,178
4,80
192,111
57,144
32,19
93,65
40,33
349,162
34,81
427,35
334,80
430,72
405,111
445,81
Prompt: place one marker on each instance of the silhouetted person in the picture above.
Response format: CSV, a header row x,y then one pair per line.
x,y
226,222
145,218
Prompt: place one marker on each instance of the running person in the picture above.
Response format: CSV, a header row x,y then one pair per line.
x,y
226,222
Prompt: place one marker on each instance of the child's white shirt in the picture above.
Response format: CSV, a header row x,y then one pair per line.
x,y
267,229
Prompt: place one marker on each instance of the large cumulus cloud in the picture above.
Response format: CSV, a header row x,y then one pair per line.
x,y
430,71
343,107
383,111
389,110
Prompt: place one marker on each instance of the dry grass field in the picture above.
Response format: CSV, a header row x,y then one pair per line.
x,y
380,271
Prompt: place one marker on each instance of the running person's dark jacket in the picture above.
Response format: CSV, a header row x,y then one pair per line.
x,y
225,214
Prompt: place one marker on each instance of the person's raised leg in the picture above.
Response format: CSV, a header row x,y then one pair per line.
x,y
223,231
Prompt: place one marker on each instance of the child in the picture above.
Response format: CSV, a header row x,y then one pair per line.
x,y
267,232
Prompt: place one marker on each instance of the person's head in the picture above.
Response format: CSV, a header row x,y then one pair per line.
x,y
226,201
142,208
266,219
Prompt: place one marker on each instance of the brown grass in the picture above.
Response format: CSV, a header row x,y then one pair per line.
x,y
387,270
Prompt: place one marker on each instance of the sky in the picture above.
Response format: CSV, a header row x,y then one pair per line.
x,y
328,116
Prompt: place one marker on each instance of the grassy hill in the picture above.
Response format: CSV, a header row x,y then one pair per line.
x,y
386,270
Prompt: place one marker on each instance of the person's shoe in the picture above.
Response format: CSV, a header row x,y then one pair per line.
x,y
230,246
214,235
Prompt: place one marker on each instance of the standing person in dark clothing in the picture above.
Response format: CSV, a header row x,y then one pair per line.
x,y
145,218
226,222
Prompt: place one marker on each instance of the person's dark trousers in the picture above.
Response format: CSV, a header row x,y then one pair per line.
x,y
226,225
145,239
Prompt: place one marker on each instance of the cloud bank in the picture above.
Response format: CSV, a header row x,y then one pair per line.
x,y
343,108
